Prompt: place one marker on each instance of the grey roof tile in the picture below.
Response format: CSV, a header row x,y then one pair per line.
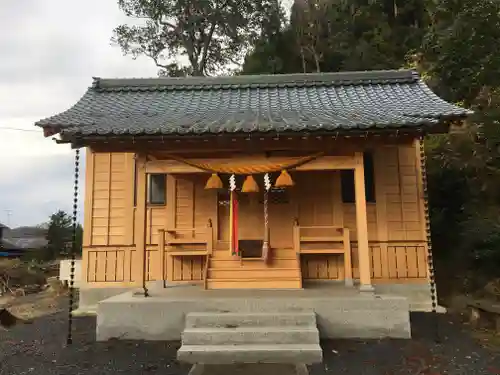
x,y
265,103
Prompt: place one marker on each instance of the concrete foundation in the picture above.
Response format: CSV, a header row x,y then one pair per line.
x,y
418,295
90,297
341,312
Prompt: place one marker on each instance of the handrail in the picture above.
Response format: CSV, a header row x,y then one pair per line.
x,y
204,230
344,238
185,229
320,227
210,243
165,246
205,272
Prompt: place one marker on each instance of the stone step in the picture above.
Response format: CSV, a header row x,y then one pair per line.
x,y
261,353
250,335
250,319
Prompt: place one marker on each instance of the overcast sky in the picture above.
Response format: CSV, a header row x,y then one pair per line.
x,y
49,51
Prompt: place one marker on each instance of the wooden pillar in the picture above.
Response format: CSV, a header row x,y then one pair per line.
x,y
381,178
129,197
140,220
88,210
362,225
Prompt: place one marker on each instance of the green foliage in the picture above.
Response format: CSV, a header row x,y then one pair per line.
x,y
460,47
60,236
464,186
459,57
337,35
210,33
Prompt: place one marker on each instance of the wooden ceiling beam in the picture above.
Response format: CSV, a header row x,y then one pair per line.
x,y
190,146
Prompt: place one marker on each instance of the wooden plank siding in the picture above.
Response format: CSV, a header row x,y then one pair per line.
x,y
395,222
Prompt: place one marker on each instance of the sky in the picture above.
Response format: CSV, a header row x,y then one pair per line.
x,y
49,52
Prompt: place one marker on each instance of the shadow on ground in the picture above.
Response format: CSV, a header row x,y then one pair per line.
x,y
40,349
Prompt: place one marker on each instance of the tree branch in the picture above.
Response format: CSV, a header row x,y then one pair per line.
x,y
206,44
158,64
208,39
169,24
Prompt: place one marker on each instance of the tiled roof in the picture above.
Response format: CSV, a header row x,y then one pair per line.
x,y
9,245
265,103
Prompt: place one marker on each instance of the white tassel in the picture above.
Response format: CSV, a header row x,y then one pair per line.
x,y
267,181
232,183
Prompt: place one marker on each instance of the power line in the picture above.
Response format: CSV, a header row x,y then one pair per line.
x,y
20,130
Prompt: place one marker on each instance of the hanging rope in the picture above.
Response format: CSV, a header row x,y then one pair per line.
x,y
265,246
235,166
233,216
69,339
430,261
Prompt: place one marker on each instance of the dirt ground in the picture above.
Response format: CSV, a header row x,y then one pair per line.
x,y
40,348
35,305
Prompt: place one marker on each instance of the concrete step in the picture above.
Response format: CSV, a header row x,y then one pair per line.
x,y
250,335
85,311
261,353
425,307
250,319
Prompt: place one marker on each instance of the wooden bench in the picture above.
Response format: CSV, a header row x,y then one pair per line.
x,y
484,310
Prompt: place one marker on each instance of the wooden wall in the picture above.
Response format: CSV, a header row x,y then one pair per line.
x,y
109,199
395,221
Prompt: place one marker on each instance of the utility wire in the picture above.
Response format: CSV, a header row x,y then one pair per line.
x,y
20,130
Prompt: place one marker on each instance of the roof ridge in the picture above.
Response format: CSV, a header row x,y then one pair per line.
x,y
330,78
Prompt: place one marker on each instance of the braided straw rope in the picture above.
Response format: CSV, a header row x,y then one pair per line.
x,y
242,167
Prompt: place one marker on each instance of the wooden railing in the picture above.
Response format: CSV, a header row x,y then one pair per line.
x,y
185,242
332,240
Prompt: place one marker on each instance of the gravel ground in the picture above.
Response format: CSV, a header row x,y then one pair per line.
x,y
39,349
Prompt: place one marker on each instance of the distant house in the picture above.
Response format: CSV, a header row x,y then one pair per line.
x,y
2,230
7,248
17,241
